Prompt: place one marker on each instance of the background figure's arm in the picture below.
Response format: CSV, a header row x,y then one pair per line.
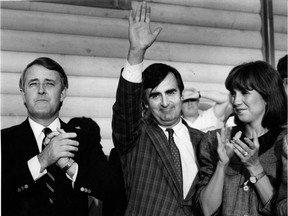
x,y
221,99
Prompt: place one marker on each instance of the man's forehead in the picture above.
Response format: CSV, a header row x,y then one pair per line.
x,y
40,72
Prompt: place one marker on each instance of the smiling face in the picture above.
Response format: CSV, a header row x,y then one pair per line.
x,y
249,106
42,93
164,102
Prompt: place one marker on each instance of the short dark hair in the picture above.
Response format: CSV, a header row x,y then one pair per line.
x,y
49,64
154,74
263,78
282,67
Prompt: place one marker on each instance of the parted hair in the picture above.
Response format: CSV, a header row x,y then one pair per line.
x,y
154,74
263,78
50,64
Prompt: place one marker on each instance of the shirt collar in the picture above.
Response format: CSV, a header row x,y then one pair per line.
x,y
177,128
38,128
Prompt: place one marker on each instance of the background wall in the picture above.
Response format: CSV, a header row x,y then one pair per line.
x,y
203,39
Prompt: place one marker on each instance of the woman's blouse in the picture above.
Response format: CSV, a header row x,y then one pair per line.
x,y
236,200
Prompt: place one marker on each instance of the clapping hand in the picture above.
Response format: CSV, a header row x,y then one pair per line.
x,y
59,145
248,151
225,147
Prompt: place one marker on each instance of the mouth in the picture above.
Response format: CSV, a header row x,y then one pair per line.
x,y
41,100
239,110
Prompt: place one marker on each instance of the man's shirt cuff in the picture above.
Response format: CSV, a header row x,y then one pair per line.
x,y
34,167
133,73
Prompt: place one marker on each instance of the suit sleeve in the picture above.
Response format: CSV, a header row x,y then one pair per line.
x,y
96,177
207,157
127,115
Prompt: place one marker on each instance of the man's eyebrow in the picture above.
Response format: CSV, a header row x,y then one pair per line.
x,y
151,94
171,90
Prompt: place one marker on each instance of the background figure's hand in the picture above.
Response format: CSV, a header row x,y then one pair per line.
x,y
225,148
140,35
248,153
60,146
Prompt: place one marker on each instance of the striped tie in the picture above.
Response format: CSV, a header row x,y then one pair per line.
x,y
176,155
50,179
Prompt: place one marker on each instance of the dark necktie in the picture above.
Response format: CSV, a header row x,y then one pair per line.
x,y
50,179
175,154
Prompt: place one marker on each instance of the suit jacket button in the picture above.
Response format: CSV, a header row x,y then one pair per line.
x,y
18,189
82,189
26,186
89,191
85,190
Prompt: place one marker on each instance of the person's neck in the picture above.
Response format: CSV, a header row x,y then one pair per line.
x,y
44,122
259,131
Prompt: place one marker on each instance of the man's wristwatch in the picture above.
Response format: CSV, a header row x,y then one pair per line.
x,y
254,179
68,165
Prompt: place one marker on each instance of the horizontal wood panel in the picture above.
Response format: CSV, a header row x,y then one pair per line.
x,y
160,13
251,6
280,7
95,87
117,28
82,45
280,41
110,67
104,123
204,17
72,106
280,24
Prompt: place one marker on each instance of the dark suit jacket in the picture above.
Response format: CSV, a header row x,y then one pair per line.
x,y
150,178
22,196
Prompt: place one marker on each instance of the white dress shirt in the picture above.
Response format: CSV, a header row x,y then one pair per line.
x,y
33,163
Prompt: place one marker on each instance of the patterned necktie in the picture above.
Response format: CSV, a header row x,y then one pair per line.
x,y
175,154
50,179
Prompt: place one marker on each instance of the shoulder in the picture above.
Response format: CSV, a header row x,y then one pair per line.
x,y
13,129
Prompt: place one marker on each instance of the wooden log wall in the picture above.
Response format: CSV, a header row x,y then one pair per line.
x,y
280,28
200,38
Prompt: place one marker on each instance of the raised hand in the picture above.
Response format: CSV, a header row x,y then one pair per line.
x,y
59,145
141,36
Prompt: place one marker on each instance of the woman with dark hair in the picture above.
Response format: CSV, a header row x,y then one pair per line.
x,y
241,168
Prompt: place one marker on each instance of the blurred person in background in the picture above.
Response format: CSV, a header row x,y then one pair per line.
x,y
209,119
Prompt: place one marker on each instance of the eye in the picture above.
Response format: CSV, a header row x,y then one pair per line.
x,y
49,84
154,96
171,92
33,84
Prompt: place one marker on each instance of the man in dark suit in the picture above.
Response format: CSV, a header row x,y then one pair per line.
x,y
159,178
57,178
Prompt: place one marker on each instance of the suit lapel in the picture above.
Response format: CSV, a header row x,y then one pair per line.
x,y
195,140
30,144
161,145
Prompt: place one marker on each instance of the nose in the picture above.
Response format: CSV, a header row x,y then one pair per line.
x,y
236,100
164,101
41,89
